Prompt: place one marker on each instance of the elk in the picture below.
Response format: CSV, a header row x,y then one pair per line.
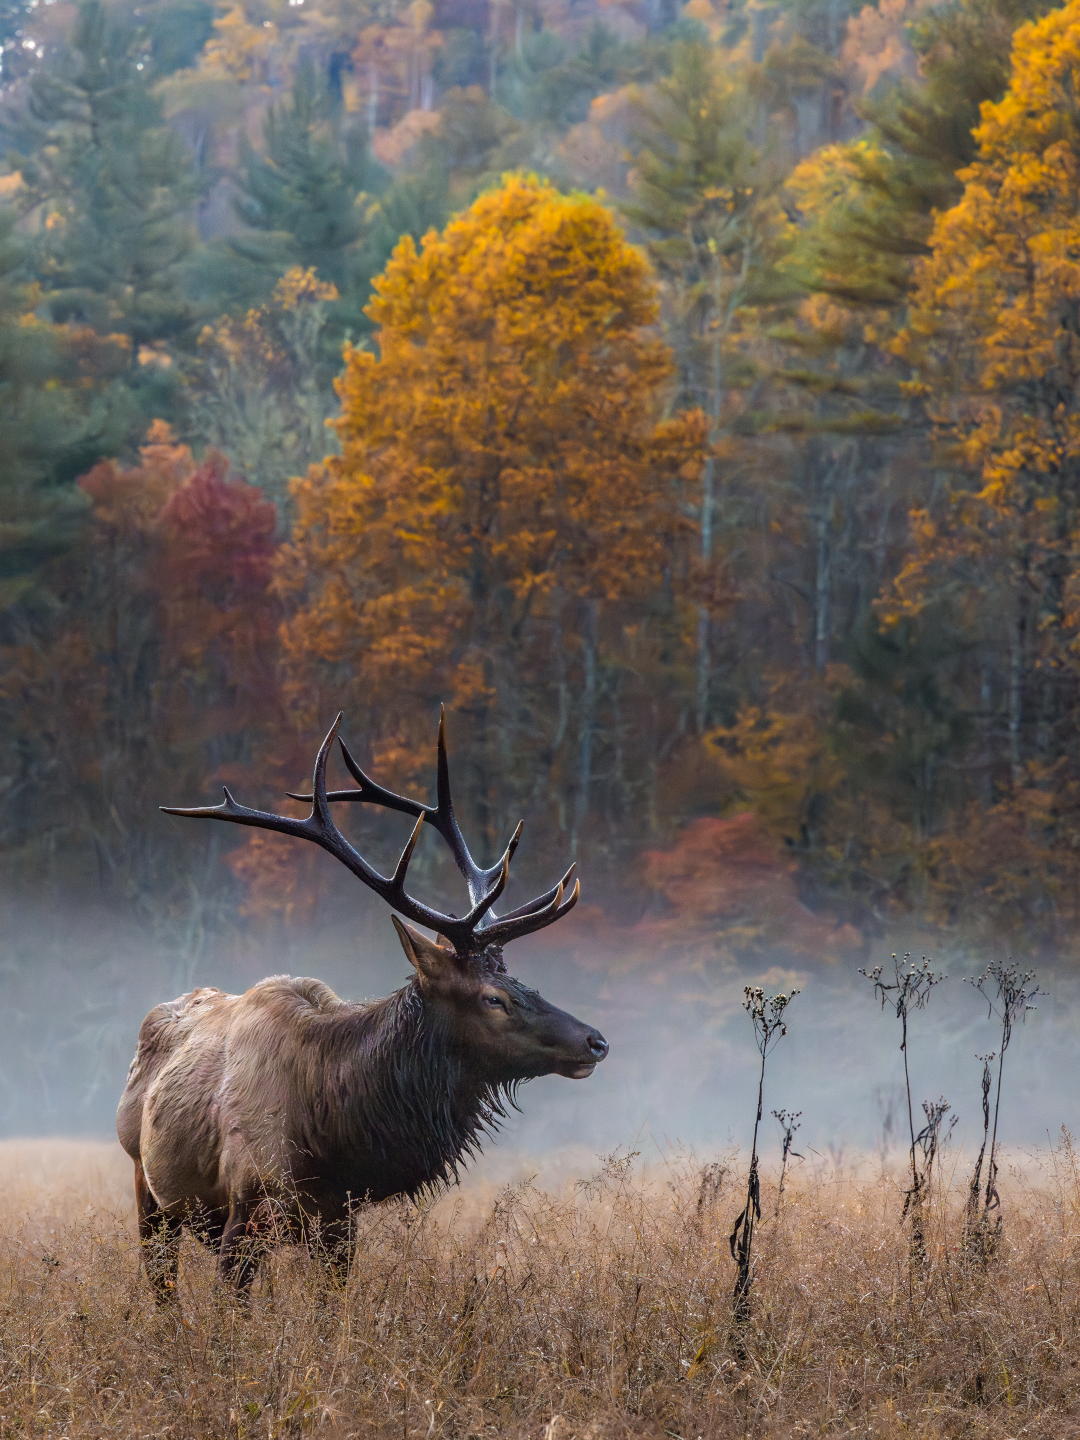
x,y
268,1115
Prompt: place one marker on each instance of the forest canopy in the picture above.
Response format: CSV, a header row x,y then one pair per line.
x,y
684,395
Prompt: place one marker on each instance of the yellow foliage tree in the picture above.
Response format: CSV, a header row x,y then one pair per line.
x,y
506,509
778,761
995,339
240,49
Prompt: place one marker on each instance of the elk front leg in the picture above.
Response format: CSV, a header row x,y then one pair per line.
x,y
241,1245
160,1237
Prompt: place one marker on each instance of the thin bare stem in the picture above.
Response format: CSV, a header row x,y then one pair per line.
x,y
767,1015
908,990
1008,993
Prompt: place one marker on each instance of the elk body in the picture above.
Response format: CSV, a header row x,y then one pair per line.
x,y
266,1115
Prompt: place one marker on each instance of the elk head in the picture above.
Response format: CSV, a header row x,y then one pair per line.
x,y
507,1032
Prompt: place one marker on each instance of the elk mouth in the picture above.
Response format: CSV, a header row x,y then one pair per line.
x,y
582,1069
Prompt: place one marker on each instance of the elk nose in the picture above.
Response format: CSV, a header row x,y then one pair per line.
x,y
598,1046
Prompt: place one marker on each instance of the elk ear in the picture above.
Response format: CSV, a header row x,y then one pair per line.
x,y
431,961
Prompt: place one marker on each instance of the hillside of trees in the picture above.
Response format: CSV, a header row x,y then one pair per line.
x,y
686,395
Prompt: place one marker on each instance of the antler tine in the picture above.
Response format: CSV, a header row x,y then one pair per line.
x,y
398,877
445,821
502,875
319,828
541,900
501,932
440,815
485,886
239,814
376,794
320,810
370,791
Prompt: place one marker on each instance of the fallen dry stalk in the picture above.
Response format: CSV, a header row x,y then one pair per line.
x,y
601,1312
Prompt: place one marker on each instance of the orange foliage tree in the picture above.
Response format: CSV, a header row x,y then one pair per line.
x,y
725,895
505,528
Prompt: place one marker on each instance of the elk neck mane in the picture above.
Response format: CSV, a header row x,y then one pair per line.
x,y
387,1073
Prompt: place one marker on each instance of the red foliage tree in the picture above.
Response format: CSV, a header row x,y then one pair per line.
x,y
162,665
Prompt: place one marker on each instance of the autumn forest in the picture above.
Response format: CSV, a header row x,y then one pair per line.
x,y
684,395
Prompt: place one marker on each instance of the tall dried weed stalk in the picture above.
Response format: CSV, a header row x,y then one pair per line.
x,y
929,1142
1008,993
909,990
767,1016
789,1122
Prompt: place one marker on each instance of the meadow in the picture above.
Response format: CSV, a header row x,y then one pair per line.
x,y
590,1308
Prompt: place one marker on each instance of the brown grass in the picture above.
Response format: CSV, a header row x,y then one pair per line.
x,y
602,1310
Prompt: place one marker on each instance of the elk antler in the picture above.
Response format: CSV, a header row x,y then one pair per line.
x,y
467,932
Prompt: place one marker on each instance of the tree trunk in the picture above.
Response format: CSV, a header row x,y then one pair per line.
x,y
1016,661
823,588
588,725
708,481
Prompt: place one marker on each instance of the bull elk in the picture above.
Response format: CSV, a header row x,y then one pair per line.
x,y
269,1114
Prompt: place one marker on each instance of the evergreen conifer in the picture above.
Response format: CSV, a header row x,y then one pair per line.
x,y
116,186
55,420
306,199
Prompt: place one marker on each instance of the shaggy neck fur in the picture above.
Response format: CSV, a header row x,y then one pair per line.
x,y
405,1091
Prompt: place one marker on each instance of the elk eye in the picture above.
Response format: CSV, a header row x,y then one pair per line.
x,y
496,1002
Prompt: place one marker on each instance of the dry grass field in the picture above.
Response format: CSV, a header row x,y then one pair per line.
x,y
599,1310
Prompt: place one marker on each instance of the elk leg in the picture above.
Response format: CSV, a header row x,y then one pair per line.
x,y
160,1237
241,1251
208,1226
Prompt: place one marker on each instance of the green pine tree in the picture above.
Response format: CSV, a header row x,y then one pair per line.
x,y
964,49
176,31
705,198
116,187
415,203
546,83
56,419
860,240
307,197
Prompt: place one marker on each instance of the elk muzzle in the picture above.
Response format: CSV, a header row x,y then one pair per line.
x,y
572,1048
